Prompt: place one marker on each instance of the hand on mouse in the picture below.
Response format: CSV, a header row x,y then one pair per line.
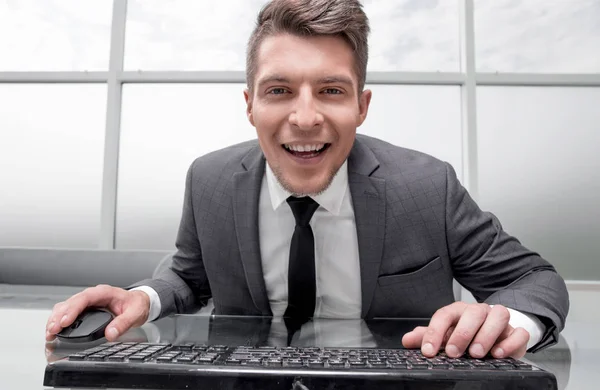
x,y
130,308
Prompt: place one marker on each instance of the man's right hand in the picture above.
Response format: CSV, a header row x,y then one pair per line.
x,y
130,308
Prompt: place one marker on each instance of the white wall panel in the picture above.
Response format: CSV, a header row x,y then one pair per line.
x,y
540,170
51,151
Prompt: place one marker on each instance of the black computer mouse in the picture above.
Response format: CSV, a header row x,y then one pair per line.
x,y
88,326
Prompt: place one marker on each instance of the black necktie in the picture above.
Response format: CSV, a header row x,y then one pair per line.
x,y
302,287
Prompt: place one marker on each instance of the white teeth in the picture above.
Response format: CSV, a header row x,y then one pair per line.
x,y
304,148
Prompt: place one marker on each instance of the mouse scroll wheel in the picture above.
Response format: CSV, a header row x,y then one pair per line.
x,y
76,324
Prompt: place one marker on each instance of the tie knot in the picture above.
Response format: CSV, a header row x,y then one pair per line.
x,y
303,209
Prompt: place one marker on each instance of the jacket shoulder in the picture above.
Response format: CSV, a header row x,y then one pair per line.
x,y
400,163
221,161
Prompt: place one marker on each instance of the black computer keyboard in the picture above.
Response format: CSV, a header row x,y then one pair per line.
x,y
167,366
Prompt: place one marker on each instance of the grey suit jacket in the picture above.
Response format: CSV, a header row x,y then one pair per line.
x,y
417,229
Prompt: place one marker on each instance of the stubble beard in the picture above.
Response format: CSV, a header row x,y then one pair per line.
x,y
295,191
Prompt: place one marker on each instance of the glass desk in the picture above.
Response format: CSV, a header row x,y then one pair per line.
x,y
574,360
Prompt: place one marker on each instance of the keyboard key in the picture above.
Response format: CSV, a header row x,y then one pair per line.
x,y
505,368
482,366
109,344
461,365
524,366
274,362
77,356
294,363
357,363
96,358
186,346
253,362
137,358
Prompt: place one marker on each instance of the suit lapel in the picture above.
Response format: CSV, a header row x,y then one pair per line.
x,y
368,200
246,193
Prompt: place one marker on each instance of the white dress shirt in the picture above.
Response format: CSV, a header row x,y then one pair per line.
x,y
337,267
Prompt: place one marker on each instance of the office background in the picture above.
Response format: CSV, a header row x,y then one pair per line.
x,y
104,104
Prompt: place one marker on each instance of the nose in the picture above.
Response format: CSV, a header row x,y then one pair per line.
x,y
306,114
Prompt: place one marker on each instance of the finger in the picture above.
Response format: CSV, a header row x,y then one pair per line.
x,y
135,314
514,345
67,312
470,321
57,312
49,336
414,338
447,335
494,329
441,321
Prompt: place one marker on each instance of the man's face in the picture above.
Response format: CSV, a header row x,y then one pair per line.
x,y
306,107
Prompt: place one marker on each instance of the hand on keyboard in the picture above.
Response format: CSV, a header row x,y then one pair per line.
x,y
478,327
131,309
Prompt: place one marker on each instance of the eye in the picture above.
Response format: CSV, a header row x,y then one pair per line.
x,y
333,91
277,91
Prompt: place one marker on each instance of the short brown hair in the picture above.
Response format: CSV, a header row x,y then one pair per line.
x,y
344,18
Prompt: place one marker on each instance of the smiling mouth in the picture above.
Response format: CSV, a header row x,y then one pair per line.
x,y
306,151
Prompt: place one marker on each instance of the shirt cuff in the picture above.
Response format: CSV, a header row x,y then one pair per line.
x,y
529,322
154,301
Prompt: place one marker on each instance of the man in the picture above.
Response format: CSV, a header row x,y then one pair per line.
x,y
313,220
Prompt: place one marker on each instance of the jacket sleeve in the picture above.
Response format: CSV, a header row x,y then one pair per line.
x,y
183,286
497,268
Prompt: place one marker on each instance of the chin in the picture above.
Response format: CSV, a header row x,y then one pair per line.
x,y
306,187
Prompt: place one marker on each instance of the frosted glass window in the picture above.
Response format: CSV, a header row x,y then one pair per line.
x,y
51,156
164,128
413,35
212,35
540,171
537,36
424,118
55,35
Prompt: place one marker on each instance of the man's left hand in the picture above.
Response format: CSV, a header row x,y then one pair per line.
x,y
478,327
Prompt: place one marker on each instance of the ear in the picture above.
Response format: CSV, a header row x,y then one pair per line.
x,y
248,98
363,105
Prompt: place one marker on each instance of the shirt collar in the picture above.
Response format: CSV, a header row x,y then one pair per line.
x,y
330,199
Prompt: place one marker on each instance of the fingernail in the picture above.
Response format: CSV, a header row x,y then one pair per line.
x,y
112,333
51,325
499,353
477,350
452,350
62,321
427,349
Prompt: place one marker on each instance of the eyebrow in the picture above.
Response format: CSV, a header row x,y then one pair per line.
x,y
275,78
335,79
